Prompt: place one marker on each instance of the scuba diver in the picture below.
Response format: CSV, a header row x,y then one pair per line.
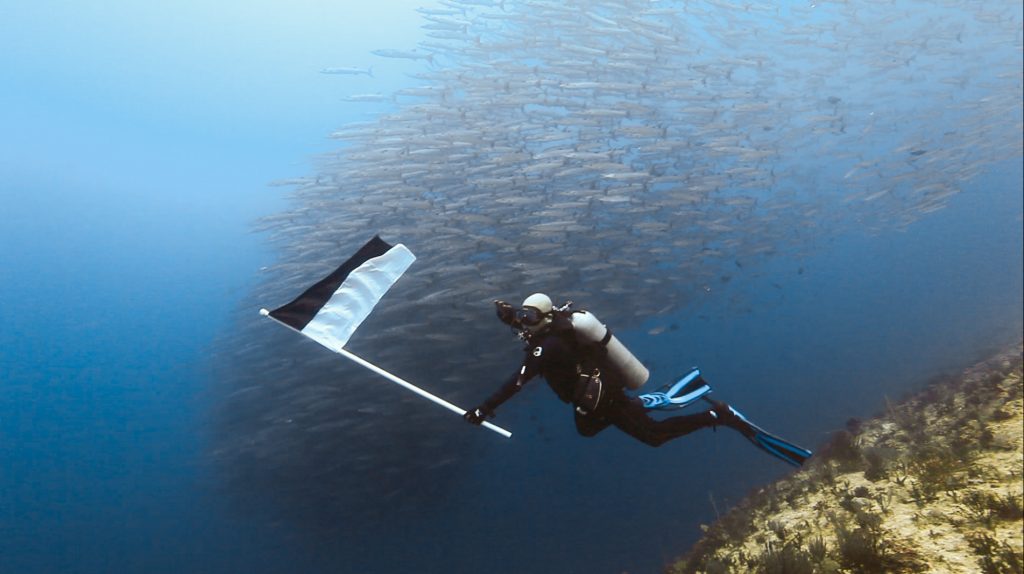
x,y
587,367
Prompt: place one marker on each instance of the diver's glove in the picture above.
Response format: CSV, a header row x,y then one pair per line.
x,y
506,314
476,416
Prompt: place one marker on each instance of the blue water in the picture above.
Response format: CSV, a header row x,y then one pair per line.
x,y
127,194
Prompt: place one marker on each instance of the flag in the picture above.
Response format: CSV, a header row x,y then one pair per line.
x,y
331,310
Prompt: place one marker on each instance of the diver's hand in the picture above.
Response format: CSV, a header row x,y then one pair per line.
x,y
475,416
506,314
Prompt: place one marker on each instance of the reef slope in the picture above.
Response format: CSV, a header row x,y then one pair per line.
x,y
933,485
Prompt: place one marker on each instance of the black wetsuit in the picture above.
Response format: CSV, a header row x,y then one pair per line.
x,y
556,355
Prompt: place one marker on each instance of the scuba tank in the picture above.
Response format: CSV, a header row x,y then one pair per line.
x,y
590,330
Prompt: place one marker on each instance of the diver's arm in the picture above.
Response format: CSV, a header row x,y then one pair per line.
x,y
512,386
486,409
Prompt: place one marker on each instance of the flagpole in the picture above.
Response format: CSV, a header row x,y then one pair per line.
x,y
433,398
398,380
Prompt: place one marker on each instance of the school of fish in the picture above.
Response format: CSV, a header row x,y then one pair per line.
x,y
623,154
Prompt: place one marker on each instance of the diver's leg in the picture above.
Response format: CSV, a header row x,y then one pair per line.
x,y
631,417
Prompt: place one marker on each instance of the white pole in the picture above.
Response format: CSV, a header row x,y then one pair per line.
x,y
400,381
419,391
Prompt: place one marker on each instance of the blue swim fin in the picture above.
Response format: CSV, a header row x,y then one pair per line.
x,y
687,390
691,388
773,445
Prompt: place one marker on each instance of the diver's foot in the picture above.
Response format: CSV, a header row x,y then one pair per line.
x,y
726,416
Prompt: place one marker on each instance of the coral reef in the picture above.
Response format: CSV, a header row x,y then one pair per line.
x,y
933,485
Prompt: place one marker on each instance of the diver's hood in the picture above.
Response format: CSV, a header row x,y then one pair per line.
x,y
542,303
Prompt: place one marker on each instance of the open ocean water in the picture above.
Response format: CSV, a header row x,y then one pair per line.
x,y
141,145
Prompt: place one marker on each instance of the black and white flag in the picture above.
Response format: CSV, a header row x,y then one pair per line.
x,y
331,310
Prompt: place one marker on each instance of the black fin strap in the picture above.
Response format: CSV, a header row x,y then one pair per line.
x,y
607,337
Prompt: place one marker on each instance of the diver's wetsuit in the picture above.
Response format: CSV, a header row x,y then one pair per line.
x,y
555,354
